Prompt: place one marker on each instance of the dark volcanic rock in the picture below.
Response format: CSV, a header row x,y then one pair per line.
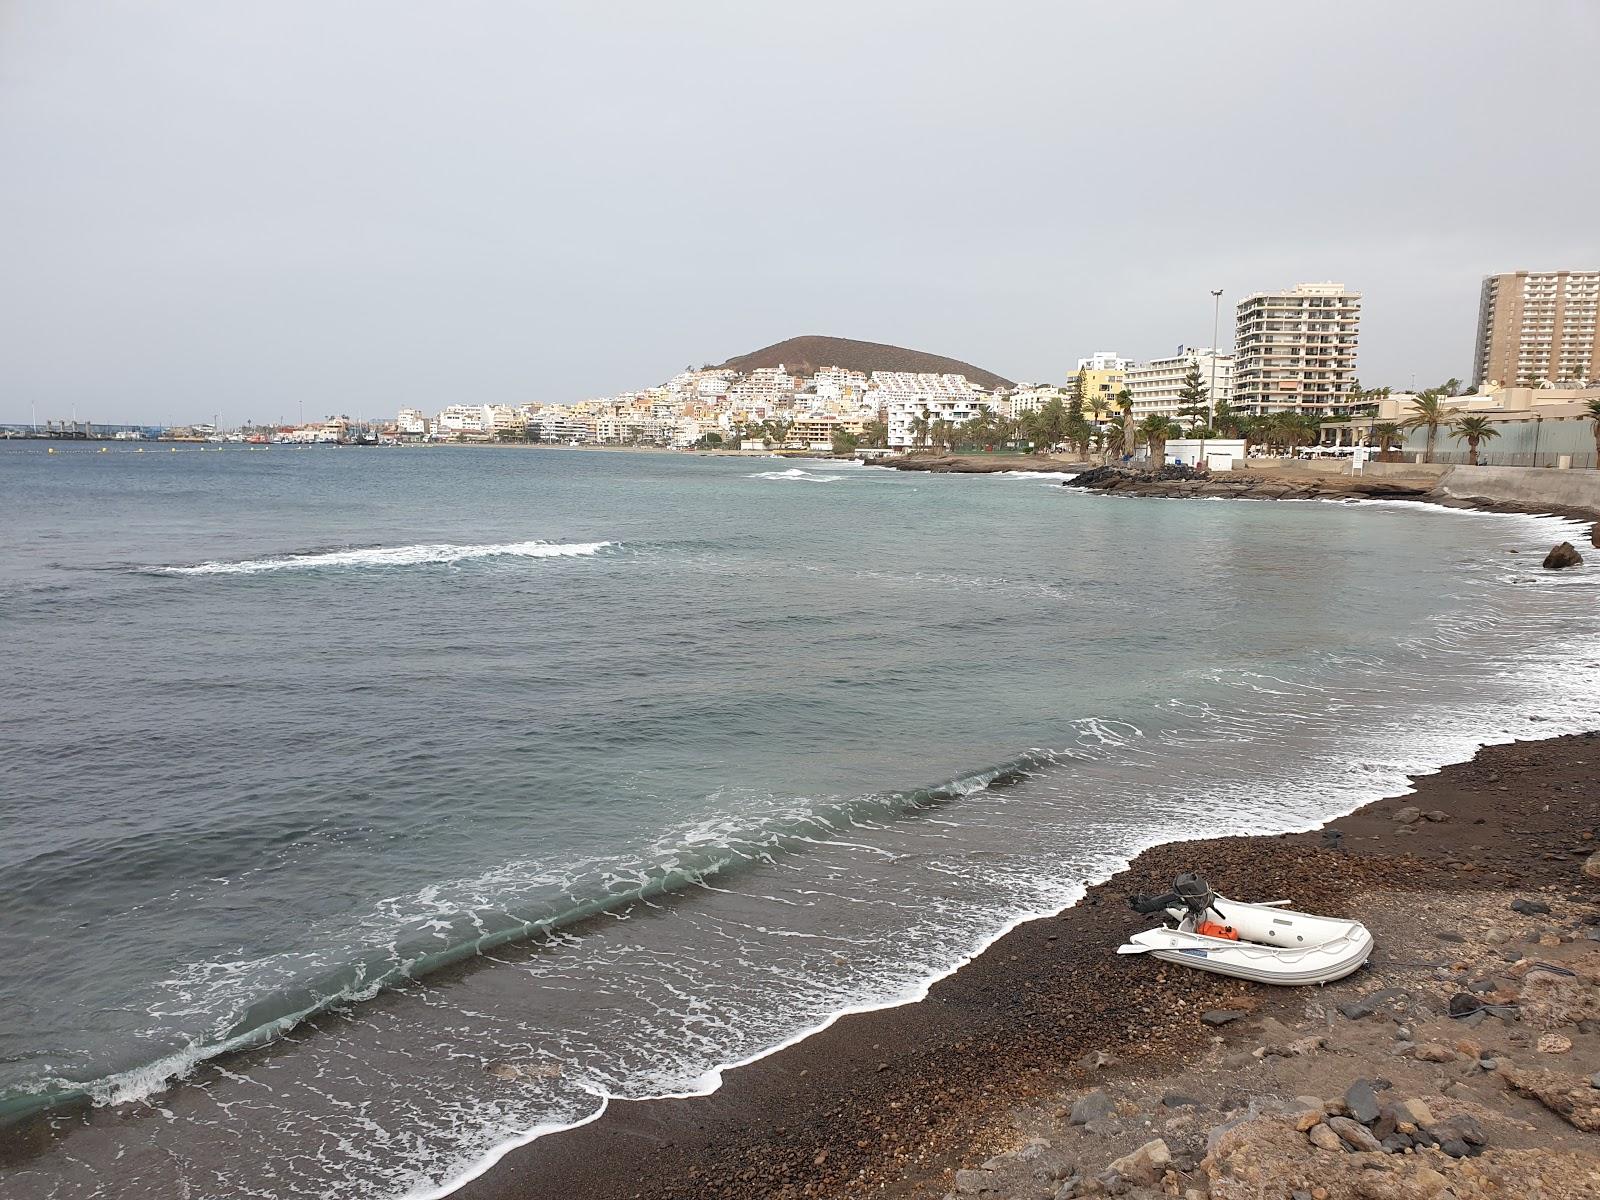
x,y
1529,907
1220,1016
1562,556
1362,1100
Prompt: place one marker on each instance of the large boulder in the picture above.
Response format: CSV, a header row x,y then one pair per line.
x,y
1562,556
1594,535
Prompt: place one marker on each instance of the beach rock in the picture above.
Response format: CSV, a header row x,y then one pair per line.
x,y
1553,1043
1179,1100
1412,1111
1361,1099
1093,1107
1529,907
976,1183
1324,1138
1433,1052
1594,535
1354,1134
1437,815
1145,1165
1568,1096
1591,865
1370,1003
1409,814
1221,1016
1561,556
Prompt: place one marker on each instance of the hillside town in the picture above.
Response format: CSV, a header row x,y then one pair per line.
x,y
1288,385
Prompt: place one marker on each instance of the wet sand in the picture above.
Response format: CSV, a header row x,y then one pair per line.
x,y
893,1102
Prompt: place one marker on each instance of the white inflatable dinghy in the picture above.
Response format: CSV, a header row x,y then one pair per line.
x,y
1265,943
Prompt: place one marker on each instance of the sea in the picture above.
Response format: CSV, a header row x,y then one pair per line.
x,y
367,812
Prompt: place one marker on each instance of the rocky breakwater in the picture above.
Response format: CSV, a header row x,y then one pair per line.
x,y
966,464
1186,482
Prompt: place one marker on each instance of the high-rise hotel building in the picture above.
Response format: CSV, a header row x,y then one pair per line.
x,y
1537,326
1296,350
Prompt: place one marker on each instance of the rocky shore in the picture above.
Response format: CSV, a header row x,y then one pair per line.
x,y
1460,1062
968,464
1182,482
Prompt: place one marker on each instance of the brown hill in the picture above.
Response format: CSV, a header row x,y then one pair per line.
x,y
807,355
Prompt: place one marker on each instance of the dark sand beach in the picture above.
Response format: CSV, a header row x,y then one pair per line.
x,y
896,1102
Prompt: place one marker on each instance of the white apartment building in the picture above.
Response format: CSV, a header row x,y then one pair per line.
x,y
461,418
411,422
1031,397
1296,350
904,396
1155,385
771,386
839,384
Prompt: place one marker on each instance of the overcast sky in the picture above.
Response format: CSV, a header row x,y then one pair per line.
x,y
241,208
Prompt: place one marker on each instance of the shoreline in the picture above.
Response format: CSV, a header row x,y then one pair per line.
x,y
802,1090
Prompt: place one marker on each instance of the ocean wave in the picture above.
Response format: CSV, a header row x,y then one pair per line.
x,y
798,474
424,554
1062,476
412,936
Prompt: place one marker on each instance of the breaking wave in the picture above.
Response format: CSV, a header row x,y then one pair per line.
x,y
390,556
798,474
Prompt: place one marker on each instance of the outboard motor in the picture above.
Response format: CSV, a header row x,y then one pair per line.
x,y
1188,890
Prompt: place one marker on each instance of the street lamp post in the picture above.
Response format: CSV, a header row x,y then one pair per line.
x,y
1211,396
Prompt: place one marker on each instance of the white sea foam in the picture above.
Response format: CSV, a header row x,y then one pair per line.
x,y
392,556
1062,476
798,474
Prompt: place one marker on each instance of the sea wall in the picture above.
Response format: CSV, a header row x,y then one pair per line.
x,y
1502,485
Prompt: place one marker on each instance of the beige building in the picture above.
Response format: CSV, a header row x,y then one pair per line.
x,y
1296,350
1537,327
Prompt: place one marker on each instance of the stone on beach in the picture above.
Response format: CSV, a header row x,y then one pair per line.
x,y
1561,556
1095,1106
1146,1164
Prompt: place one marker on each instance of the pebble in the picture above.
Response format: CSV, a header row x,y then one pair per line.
x,y
1408,814
1529,907
1221,1016
1554,1043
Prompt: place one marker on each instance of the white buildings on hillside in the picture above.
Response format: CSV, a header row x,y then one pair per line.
x,y
1155,385
770,387
904,396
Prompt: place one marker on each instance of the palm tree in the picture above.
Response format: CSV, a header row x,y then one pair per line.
x,y
1111,442
1125,403
1473,430
921,427
1430,414
1157,429
1097,405
1387,433
1591,412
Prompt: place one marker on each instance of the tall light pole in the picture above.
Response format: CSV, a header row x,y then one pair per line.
x,y
1211,396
